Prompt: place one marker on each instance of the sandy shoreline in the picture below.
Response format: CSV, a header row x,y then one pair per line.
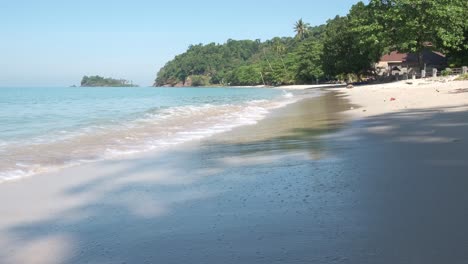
x,y
405,95
310,183
309,86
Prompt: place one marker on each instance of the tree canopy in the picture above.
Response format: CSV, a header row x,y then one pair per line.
x,y
413,25
345,45
244,62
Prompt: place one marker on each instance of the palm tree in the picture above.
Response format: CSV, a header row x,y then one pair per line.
x,y
266,57
301,29
280,50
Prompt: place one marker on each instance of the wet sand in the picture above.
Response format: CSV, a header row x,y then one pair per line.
x,y
304,185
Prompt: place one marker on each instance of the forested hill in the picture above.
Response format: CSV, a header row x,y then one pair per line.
x,y
245,62
344,47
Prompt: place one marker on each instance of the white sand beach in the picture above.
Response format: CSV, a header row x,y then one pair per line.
x,y
411,94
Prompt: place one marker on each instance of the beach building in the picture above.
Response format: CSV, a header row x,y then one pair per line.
x,y
396,63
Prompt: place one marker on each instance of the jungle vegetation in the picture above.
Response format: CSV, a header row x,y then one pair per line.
x,y
345,45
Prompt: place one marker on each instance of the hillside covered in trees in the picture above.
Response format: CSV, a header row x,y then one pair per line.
x,y
98,81
344,46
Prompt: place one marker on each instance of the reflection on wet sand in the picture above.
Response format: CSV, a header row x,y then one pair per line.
x,y
296,128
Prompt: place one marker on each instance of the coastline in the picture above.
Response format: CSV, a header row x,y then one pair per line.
x,y
282,87
320,180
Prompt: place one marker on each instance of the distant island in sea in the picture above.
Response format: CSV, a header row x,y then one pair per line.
x,y
98,81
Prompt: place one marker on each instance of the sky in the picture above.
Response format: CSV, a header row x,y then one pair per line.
x,y
57,42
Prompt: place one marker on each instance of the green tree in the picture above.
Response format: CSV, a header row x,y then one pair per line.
x,y
411,25
341,50
246,75
354,43
308,64
200,80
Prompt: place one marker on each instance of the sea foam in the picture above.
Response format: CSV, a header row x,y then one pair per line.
x,y
158,128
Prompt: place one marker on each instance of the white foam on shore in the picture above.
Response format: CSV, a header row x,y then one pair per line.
x,y
158,129
287,94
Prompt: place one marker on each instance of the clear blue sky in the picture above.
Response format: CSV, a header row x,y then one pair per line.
x,y
56,42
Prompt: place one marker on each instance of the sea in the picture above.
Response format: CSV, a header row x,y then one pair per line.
x,y
48,128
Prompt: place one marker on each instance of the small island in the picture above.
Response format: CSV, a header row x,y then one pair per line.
x,y
98,81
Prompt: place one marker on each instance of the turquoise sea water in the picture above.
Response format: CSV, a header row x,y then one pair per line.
x,y
49,128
